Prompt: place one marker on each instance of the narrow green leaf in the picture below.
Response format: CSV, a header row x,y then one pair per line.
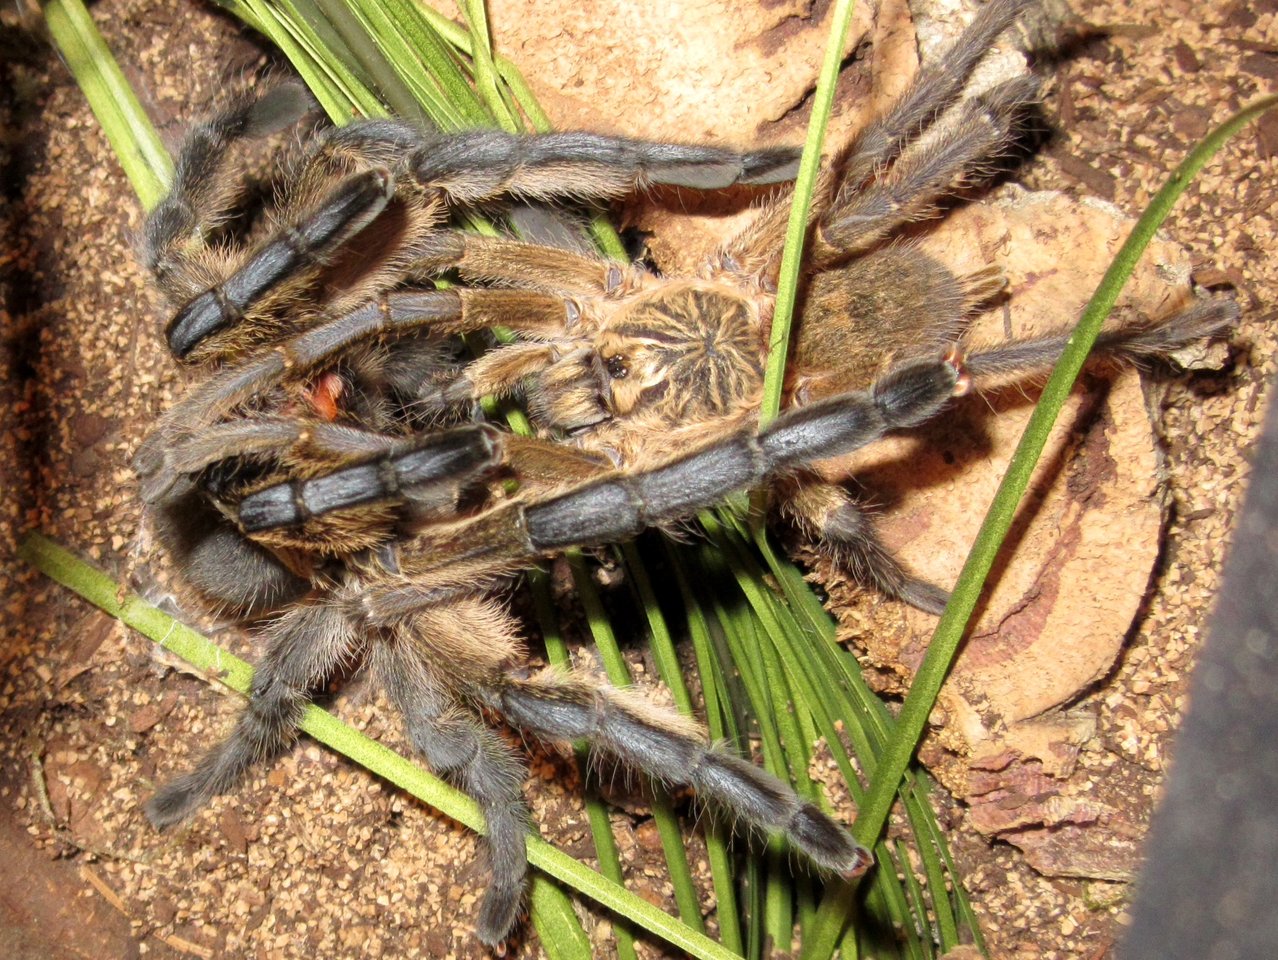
x,y
482,61
350,23
561,933
946,925
133,139
796,230
918,901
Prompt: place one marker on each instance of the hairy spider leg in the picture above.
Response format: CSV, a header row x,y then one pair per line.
x,y
461,749
346,489
480,165
527,266
386,316
1027,357
204,195
935,88
931,170
841,529
233,575
295,248
280,438
476,638
304,648
442,560
406,471
876,149
839,526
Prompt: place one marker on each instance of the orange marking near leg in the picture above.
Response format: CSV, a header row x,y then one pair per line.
x,y
325,393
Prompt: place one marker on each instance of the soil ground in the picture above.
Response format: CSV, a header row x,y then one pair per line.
x,y
315,857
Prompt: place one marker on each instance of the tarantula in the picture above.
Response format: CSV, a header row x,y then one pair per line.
x,y
326,470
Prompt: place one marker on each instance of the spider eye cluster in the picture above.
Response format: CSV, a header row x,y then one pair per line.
x,y
617,366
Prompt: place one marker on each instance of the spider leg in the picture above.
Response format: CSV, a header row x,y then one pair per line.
x,y
386,316
224,567
472,448
475,166
298,439
898,302
226,303
839,527
232,573
497,373
672,750
475,638
926,173
422,471
1155,340
461,749
295,248
619,505
303,649
367,482
528,266
936,88
480,165
203,194
549,463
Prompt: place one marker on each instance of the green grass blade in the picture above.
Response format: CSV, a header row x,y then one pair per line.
x,y
439,59
832,684
946,925
426,76
796,231
133,139
661,646
918,901
562,935
485,70
349,23
661,642
808,676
